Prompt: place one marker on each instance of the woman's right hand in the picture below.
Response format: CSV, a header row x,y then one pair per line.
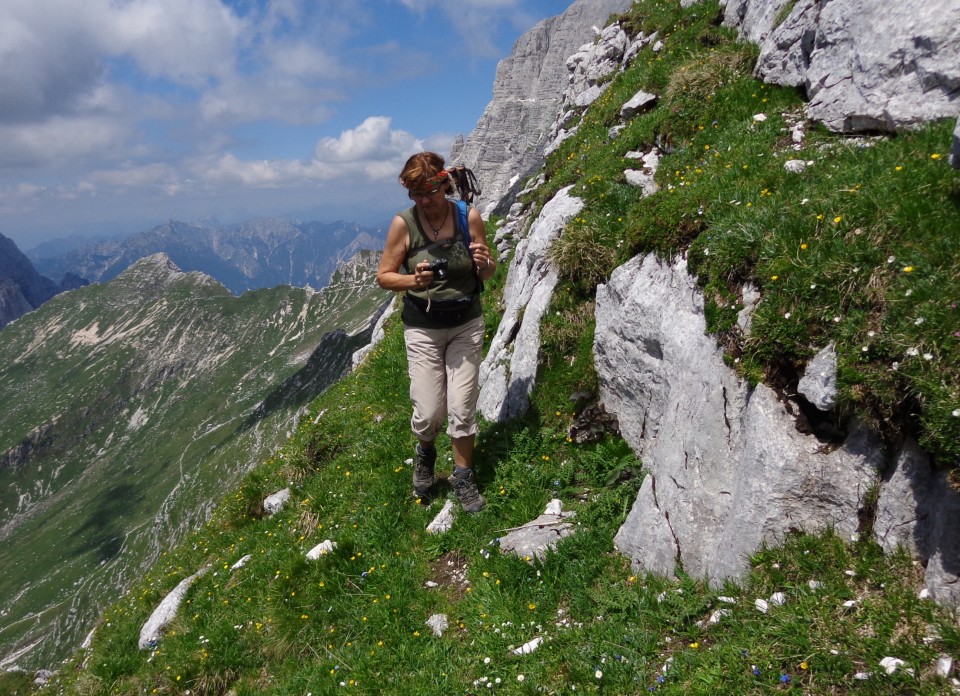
x,y
422,275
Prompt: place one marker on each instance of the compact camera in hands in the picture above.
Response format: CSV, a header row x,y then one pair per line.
x,y
439,268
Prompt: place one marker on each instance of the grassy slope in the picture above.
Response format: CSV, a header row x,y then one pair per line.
x,y
356,619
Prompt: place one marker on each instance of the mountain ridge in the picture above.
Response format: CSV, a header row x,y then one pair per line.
x,y
253,254
139,400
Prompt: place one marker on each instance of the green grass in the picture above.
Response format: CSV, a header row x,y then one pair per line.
x,y
355,620
283,625
860,249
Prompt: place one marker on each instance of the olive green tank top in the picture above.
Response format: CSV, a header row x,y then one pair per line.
x,y
461,281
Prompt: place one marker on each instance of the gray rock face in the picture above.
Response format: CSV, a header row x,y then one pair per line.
x,y
865,64
508,141
727,468
918,510
508,371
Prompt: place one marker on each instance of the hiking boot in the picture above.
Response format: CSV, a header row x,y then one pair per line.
x,y
423,470
466,489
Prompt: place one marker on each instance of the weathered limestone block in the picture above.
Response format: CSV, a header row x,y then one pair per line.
x,y
166,612
538,536
919,511
819,382
727,469
865,64
274,502
507,373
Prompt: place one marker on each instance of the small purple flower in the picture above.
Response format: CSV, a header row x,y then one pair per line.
x,y
784,678
756,671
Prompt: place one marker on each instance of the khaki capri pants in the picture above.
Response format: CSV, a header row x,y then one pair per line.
x,y
444,366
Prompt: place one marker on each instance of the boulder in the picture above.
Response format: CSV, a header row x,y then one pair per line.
x,y
166,612
274,503
637,104
919,511
538,536
727,468
866,65
819,382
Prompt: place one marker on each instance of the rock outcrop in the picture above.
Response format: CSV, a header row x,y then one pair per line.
x,y
919,511
727,469
509,139
509,370
865,65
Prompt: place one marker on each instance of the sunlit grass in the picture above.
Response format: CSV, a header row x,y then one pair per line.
x,y
356,619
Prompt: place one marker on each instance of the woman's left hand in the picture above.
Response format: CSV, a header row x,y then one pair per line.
x,y
481,256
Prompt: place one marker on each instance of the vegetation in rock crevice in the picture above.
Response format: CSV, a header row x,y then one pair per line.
x,y
853,244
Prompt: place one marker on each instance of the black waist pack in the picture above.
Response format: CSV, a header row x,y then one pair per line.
x,y
447,312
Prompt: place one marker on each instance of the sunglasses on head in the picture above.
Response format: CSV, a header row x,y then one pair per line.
x,y
424,193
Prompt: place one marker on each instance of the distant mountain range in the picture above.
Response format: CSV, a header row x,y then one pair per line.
x,y
255,254
22,288
131,406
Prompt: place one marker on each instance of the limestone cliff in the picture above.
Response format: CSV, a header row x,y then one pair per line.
x,y
728,468
509,139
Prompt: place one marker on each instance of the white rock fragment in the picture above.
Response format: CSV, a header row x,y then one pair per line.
x,y
891,664
861,676
528,647
430,584
794,166
761,605
944,666
814,585
778,599
242,562
924,594
759,118
717,615
554,507
273,504
849,604
321,549
641,101
438,624
727,600
443,521
166,612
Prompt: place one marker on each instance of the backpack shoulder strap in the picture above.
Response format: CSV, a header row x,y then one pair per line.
x,y
462,211
464,224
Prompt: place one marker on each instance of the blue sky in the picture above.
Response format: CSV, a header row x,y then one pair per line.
x,y
117,115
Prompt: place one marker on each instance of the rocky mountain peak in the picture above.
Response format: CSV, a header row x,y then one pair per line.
x,y
509,139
